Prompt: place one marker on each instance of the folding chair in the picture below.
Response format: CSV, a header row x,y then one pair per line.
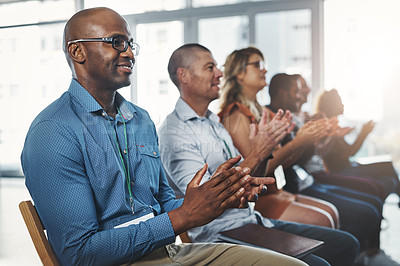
x,y
36,231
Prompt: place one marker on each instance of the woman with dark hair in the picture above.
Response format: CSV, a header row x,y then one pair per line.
x,y
337,157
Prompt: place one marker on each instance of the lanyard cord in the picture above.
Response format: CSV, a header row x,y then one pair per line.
x,y
221,139
126,168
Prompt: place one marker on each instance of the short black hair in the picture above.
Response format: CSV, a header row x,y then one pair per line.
x,y
280,81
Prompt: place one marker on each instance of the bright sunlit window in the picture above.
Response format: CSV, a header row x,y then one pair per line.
x,y
362,61
25,12
362,56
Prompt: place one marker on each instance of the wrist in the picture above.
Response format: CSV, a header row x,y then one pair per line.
x,y
252,160
180,220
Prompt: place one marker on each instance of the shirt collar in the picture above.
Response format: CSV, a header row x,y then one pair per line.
x,y
186,113
92,106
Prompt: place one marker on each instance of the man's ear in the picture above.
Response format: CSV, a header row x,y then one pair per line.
x,y
76,53
182,74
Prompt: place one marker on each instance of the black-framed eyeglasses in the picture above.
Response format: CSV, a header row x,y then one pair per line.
x,y
118,43
259,64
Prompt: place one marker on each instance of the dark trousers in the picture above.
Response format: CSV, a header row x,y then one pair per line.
x,y
359,213
383,172
340,248
363,183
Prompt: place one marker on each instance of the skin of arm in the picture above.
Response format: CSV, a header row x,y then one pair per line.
x,y
238,126
257,141
310,134
355,147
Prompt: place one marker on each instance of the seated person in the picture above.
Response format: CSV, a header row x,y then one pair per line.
x,y
360,213
336,158
191,136
92,167
240,110
313,161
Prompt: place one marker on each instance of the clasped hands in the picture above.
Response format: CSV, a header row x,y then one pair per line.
x,y
229,187
269,132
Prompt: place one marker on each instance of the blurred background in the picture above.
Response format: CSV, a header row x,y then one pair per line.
x,y
350,45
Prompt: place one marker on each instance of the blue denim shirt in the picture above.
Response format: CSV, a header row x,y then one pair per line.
x,y
76,179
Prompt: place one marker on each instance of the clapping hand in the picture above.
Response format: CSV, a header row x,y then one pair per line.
x,y
203,203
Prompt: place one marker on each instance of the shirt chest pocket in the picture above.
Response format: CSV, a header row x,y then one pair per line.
x,y
149,156
149,150
148,165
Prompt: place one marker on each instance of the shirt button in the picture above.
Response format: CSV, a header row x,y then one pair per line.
x,y
103,114
154,153
125,152
132,183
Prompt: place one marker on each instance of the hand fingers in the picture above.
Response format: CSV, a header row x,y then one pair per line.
x,y
264,119
195,182
230,201
280,137
256,181
232,184
227,178
235,195
279,115
243,203
291,127
277,128
263,190
227,165
253,131
288,116
252,197
279,134
276,124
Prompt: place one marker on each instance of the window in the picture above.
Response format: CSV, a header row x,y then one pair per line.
x,y
362,55
362,63
28,68
285,39
235,32
27,12
154,91
159,26
133,7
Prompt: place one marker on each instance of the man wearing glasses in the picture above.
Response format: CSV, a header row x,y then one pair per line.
x,y
92,167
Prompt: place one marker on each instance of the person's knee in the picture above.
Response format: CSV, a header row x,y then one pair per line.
x,y
347,250
352,246
313,260
366,215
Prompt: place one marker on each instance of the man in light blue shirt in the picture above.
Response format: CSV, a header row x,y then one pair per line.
x,y
93,168
192,135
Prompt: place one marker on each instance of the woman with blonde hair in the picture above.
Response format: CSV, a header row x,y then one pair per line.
x,y
244,77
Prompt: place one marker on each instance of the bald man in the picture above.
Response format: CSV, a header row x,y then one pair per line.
x,y
92,167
